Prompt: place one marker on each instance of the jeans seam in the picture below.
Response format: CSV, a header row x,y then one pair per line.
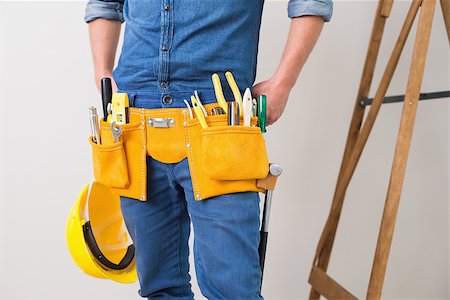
x,y
172,172
179,248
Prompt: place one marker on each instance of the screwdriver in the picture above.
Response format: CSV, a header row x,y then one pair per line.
x,y
262,112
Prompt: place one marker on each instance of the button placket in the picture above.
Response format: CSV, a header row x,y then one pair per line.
x,y
165,44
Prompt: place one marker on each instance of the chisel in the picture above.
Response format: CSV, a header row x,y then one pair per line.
x,y
233,114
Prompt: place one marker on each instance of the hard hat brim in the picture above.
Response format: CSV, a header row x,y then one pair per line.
x,y
76,242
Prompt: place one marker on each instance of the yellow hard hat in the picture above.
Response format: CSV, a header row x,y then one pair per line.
x,y
97,237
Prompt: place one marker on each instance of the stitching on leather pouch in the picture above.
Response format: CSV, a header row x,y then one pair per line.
x,y
230,131
143,160
192,170
124,129
155,113
151,112
196,122
108,149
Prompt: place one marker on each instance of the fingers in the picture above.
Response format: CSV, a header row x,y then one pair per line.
x,y
272,119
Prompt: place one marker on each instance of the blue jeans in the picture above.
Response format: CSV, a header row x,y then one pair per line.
x,y
225,242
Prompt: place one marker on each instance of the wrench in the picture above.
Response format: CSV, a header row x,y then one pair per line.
x,y
116,131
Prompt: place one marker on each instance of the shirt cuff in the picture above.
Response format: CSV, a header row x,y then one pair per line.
x,y
323,8
97,9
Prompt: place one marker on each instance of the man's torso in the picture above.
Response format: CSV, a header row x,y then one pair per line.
x,y
172,45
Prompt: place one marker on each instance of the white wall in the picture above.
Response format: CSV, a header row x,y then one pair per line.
x,y
47,84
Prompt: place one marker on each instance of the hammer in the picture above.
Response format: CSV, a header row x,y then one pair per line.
x,y
268,184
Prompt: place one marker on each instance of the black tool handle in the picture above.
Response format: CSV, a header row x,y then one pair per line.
x,y
262,250
106,95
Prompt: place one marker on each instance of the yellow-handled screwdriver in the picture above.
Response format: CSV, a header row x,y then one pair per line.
x,y
198,112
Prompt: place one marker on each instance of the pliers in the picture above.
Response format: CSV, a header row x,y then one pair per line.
x,y
219,92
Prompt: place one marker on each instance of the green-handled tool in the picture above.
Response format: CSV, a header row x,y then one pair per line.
x,y
262,112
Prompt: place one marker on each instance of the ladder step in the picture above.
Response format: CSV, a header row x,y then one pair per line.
x,y
401,98
327,286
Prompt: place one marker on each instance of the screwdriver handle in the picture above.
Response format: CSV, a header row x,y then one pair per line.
x,y
106,88
262,112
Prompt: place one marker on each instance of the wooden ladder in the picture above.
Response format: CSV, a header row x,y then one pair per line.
x,y
321,283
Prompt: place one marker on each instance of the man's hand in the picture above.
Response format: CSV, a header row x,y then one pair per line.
x,y
303,35
277,96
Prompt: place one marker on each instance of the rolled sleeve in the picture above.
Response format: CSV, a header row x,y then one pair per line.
x,y
104,9
298,8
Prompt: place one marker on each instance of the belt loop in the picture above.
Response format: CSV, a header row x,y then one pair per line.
x,y
132,98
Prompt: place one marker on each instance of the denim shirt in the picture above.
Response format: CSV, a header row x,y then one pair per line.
x,y
174,46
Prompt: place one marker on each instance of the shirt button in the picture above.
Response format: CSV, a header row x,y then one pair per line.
x,y
165,48
167,100
167,8
164,84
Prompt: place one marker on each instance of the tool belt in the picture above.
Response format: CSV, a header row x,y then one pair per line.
x,y
222,159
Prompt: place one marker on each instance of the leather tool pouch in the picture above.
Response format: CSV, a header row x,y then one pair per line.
x,y
165,134
233,153
122,165
222,159
110,164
